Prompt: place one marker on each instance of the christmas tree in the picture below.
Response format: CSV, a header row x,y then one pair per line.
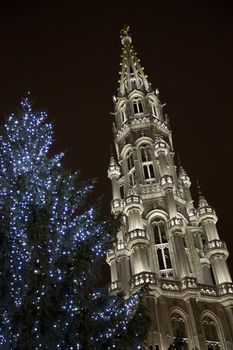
x,y
52,245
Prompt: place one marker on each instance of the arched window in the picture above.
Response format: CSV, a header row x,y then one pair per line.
x,y
123,113
147,164
179,330
137,106
162,249
131,169
211,333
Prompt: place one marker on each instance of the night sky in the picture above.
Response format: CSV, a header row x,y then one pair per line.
x,y
67,54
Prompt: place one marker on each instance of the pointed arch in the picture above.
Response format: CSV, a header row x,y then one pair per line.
x,y
125,150
181,326
212,331
157,213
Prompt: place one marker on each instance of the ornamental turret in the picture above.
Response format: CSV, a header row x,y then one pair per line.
x,y
215,249
164,240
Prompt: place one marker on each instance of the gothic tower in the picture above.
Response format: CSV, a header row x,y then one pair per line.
x,y
164,240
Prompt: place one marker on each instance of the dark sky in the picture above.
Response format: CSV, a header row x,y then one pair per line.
x,y
68,53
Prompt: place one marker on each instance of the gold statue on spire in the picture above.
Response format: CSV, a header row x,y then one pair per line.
x,y
125,30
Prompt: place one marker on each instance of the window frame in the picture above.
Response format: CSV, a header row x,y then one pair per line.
x,y
146,158
161,248
178,318
215,344
137,106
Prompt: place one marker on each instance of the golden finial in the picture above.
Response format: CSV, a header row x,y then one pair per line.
x,y
125,30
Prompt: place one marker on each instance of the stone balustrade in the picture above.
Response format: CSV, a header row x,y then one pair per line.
x,y
121,245
175,222
133,199
189,283
143,278
115,287
137,236
225,288
205,210
214,244
117,205
170,285
167,182
179,286
151,189
137,233
208,290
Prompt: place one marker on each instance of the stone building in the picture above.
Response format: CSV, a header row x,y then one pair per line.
x,y
164,240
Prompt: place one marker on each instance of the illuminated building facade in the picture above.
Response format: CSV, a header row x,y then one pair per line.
x,y
164,240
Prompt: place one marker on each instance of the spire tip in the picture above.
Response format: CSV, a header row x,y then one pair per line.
x,y
125,35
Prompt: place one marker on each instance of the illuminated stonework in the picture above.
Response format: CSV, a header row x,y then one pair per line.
x,y
164,240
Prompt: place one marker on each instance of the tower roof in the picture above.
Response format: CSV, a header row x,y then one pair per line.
x,y
131,75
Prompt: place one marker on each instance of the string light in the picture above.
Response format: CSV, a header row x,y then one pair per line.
x,y
53,248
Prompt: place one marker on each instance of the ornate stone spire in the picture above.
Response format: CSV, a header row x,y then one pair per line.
x,y
131,75
182,175
181,172
202,202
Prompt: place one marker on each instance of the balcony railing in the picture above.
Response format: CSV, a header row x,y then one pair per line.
x,y
121,245
208,290
117,205
189,283
132,199
214,244
136,234
151,189
143,278
225,288
167,181
178,222
205,210
115,287
170,285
